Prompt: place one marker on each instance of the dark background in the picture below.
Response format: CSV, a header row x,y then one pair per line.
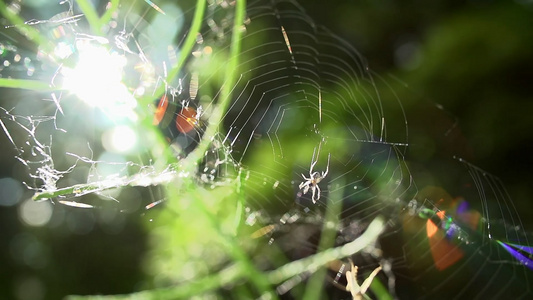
x,y
473,57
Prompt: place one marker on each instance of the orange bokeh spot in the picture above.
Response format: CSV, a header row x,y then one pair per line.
x,y
431,228
160,110
470,218
444,253
186,120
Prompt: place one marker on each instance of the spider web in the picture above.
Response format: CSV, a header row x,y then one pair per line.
x,y
309,127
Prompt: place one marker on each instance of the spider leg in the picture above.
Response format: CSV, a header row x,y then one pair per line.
x,y
306,188
306,182
311,169
317,190
327,167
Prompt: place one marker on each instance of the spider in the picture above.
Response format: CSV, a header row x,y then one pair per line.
x,y
313,180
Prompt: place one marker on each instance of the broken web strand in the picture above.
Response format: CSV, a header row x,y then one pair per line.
x,y
190,163
83,189
10,13
41,86
48,163
147,177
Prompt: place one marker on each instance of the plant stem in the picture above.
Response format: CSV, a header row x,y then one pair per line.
x,y
34,85
91,16
225,95
327,239
312,263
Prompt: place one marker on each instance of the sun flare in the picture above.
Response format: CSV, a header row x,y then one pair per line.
x,y
97,80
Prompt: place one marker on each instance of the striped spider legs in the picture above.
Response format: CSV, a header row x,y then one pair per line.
x,y
311,182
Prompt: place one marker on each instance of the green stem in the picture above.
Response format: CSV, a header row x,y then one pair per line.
x,y
236,272
78,190
225,95
185,51
327,240
91,16
184,291
238,254
109,12
33,85
312,263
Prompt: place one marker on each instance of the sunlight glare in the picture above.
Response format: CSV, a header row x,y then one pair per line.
x,y
97,80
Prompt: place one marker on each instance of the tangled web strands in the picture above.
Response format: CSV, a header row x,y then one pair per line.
x,y
307,119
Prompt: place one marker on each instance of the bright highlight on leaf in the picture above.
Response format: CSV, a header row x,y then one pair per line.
x,y
75,204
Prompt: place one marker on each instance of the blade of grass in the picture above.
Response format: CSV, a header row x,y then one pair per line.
x,y
91,16
380,290
312,263
237,272
239,193
225,96
183,291
185,51
109,12
33,85
327,240
164,151
232,246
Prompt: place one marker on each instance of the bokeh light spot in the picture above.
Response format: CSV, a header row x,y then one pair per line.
x,y
35,213
10,191
97,80
30,288
28,250
80,222
120,139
